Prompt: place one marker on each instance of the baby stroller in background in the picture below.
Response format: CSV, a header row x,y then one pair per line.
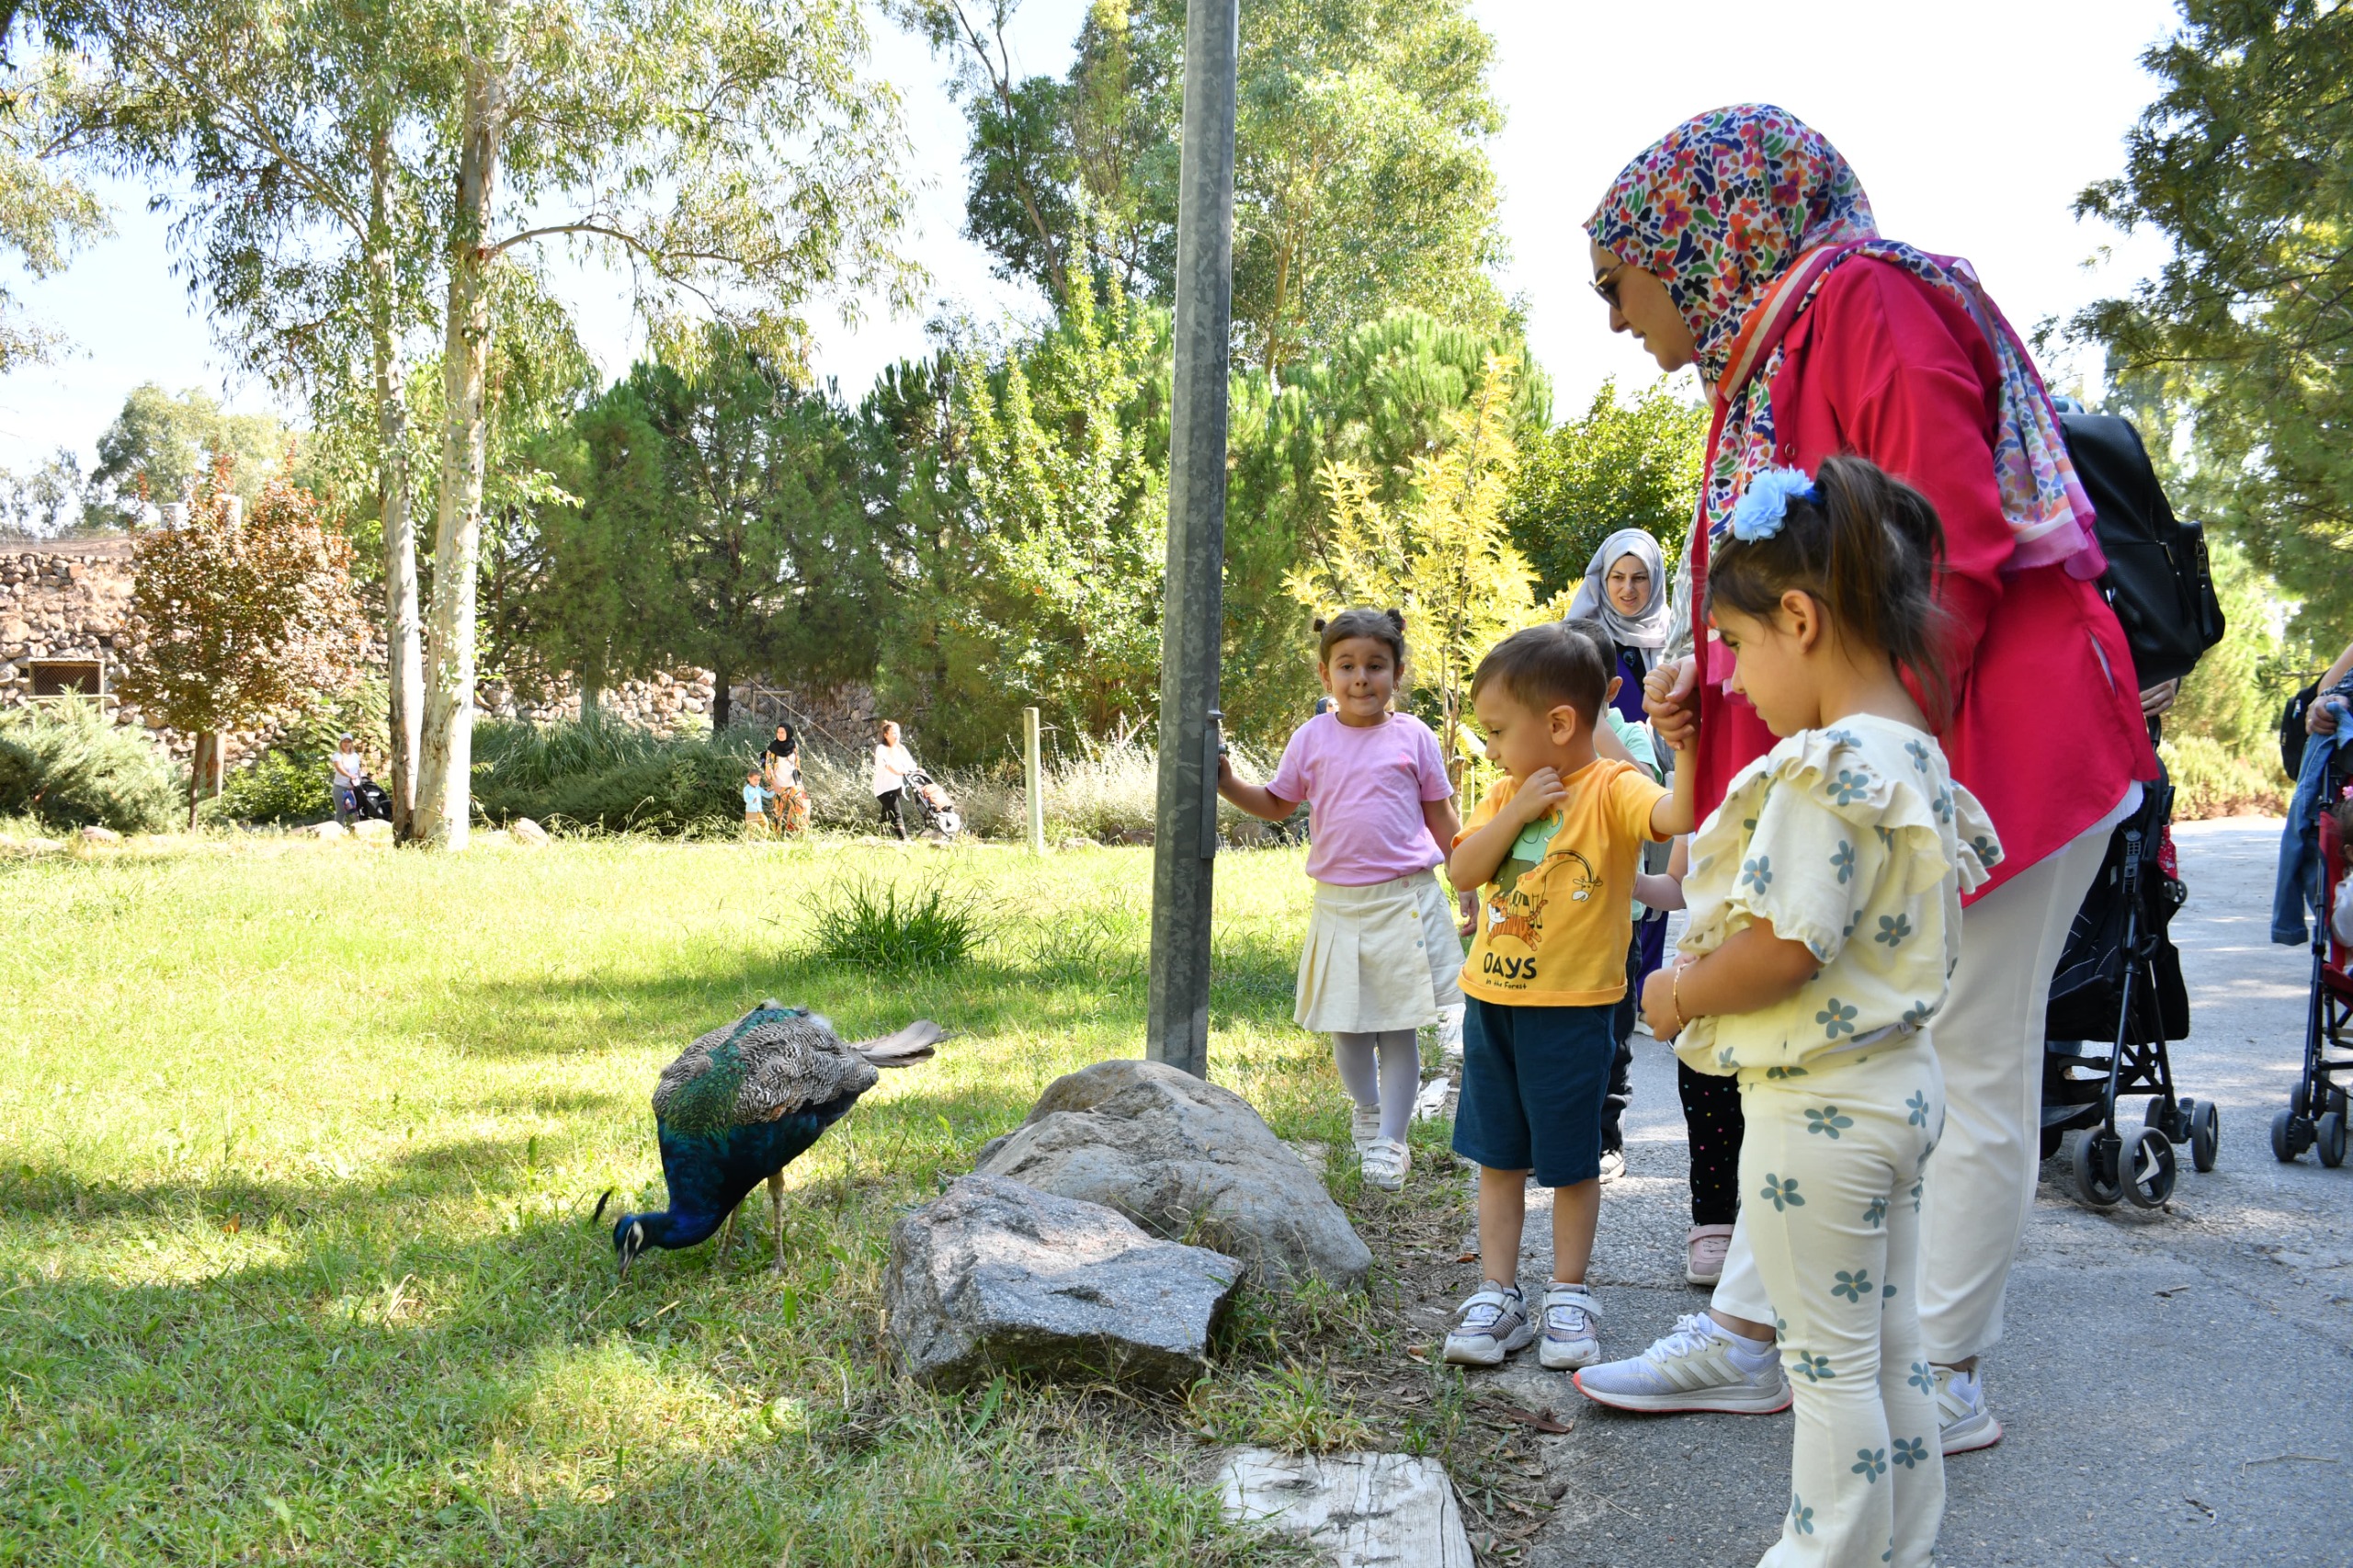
x,y
2317,1110
2116,1000
365,800
933,803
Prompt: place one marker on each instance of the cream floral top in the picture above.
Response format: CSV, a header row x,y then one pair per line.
x,y
1855,841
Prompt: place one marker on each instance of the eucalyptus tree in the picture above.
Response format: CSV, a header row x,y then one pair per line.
x,y
44,212
303,186
732,155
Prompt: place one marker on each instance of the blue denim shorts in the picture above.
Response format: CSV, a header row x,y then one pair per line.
x,y
1534,1081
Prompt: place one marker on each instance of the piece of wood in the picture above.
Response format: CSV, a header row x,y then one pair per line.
x,y
1363,1510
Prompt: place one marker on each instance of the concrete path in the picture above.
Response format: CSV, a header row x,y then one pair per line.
x,y
2178,1386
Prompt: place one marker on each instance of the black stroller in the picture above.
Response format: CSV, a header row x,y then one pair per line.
x,y
2116,1000
2317,1113
934,805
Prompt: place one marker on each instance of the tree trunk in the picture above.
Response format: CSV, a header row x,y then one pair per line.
x,y
404,628
722,709
203,772
444,798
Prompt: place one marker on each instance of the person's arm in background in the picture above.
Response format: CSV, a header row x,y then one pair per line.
x,y
1663,890
2320,719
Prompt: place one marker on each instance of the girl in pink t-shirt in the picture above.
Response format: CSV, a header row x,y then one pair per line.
x,y
1381,952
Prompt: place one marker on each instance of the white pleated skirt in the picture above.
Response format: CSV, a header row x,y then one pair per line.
x,y
1383,957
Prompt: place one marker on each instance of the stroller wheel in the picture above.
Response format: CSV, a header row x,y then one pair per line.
x,y
2205,1135
2284,1145
2328,1138
2336,1102
2149,1169
2091,1167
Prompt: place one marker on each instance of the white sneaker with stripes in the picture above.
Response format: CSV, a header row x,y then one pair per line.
x,y
1698,1366
1963,1420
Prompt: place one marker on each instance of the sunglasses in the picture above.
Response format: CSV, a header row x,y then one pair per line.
x,y
1606,287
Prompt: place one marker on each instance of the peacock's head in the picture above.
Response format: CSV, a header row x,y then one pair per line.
x,y
633,1234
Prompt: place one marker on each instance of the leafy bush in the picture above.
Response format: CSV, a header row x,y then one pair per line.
x,y
871,926
611,776
63,763
2208,781
288,781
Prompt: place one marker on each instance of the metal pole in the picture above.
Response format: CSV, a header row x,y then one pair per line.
x,y
1033,780
1183,868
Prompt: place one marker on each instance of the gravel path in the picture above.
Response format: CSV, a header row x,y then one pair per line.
x,y
2176,1385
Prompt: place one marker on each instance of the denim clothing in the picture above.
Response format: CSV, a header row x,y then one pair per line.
x,y
1533,1084
2297,887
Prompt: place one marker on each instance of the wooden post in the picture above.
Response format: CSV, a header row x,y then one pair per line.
x,y
1033,778
1176,1028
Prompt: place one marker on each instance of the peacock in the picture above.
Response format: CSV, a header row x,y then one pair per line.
x,y
741,1104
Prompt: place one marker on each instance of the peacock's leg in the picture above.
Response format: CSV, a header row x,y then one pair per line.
x,y
726,1234
776,1210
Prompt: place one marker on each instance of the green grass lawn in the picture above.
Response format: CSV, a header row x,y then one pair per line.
x,y
300,1143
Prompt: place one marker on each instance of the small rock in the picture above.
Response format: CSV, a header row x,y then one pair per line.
x,y
372,831
96,835
331,831
1182,1158
1365,1510
523,830
997,1277
1075,843
44,845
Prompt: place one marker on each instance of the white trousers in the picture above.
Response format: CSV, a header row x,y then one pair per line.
x,y
1832,1170
1989,1047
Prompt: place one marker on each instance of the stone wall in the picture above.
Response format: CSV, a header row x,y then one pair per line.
x,y
71,599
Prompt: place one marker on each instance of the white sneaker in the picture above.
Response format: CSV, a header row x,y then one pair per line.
x,y
1613,1165
1384,1162
1364,1127
1491,1325
1571,1328
1699,1366
1963,1420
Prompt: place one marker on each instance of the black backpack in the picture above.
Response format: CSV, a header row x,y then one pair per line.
x,y
2157,580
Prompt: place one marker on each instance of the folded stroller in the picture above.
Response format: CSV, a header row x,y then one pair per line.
x,y
2316,1112
2117,1000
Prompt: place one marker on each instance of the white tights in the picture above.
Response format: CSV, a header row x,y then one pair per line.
x,y
1393,1086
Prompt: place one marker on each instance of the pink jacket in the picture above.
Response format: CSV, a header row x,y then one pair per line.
x,y
2046,729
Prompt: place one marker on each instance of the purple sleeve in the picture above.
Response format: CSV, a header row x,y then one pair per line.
x,y
1291,780
1427,763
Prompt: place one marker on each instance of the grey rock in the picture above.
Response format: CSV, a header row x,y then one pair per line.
x,y
523,830
372,830
1364,1511
1188,1160
997,1276
96,835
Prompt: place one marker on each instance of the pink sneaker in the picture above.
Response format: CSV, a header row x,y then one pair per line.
x,y
1707,1245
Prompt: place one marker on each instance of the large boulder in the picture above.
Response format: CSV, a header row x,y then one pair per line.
x,y
1183,1158
996,1276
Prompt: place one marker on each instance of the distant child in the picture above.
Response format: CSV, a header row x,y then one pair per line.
x,y
1381,950
755,799
1552,851
1824,900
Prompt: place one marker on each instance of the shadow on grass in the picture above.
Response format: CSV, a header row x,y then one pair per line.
x,y
1252,979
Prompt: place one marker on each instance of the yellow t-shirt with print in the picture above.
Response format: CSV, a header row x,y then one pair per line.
x,y
1553,926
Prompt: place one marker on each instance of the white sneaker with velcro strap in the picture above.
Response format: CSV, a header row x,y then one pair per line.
x,y
1491,1325
1698,1366
1571,1328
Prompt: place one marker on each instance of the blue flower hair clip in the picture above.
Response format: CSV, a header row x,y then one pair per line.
x,y
1758,512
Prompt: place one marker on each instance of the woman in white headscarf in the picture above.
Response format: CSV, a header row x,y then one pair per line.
x,y
1625,589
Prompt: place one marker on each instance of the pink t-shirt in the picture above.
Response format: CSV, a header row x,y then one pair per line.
x,y
1364,788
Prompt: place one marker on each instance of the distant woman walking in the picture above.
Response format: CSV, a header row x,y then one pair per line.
x,y
892,763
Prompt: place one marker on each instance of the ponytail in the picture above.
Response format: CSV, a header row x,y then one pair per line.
x,y
1864,545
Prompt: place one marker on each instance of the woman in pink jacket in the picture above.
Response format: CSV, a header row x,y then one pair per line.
x,y
1743,244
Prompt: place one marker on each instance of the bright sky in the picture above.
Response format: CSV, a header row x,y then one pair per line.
x,y
1972,138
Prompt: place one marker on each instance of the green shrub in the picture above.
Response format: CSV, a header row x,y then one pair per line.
x,y
2210,781
63,763
871,926
288,781
610,775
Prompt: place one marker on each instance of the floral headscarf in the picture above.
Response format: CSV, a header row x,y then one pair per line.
x,y
1722,209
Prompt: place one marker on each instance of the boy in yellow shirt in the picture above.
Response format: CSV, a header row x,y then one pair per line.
x,y
1554,853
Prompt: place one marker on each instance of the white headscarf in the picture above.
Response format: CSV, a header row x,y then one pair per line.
x,y
1646,627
